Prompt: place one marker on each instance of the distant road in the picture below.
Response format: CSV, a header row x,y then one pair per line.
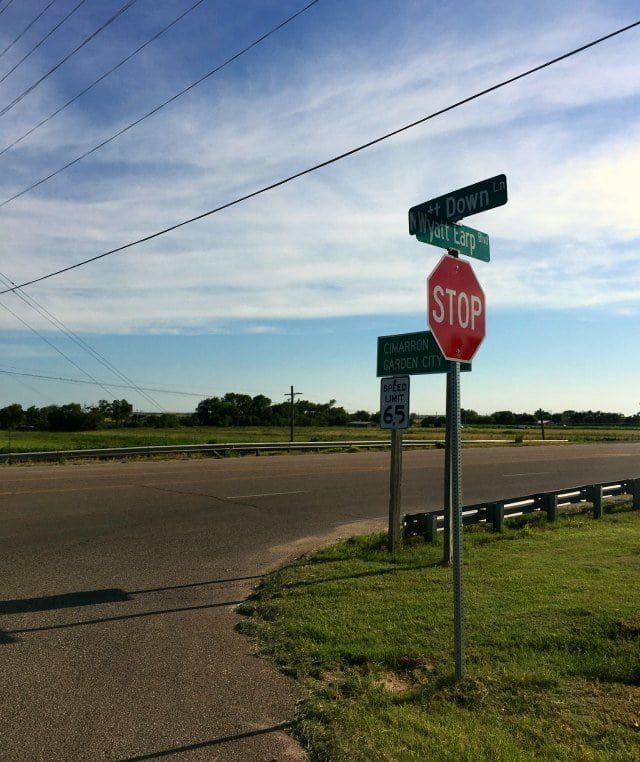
x,y
119,582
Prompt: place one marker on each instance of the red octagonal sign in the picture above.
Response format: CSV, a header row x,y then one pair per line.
x,y
456,308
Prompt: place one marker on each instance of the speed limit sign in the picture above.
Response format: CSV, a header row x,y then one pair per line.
x,y
394,402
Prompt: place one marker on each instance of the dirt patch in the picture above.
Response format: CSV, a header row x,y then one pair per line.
x,y
394,683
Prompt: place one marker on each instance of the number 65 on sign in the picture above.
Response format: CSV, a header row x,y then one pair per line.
x,y
394,402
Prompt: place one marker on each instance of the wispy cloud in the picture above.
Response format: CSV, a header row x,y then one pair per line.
x,y
336,243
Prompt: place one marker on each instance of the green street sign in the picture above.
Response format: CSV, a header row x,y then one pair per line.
x,y
412,354
467,241
460,203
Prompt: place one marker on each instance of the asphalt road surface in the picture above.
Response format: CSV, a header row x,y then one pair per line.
x,y
120,581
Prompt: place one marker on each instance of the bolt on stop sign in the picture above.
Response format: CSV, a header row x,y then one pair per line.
x,y
456,307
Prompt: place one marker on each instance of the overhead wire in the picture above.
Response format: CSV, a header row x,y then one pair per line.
x,y
46,37
201,395
79,47
101,78
325,163
4,8
79,341
26,29
161,106
54,347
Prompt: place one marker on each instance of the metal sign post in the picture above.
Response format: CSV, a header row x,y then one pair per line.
x,y
395,489
456,307
447,554
395,415
456,500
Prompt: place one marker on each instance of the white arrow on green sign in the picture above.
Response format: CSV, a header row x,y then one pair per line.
x,y
467,241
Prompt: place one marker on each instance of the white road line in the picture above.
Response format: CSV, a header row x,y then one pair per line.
x,y
534,473
269,494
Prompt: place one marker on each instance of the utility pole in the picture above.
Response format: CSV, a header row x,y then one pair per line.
x,y
540,413
292,395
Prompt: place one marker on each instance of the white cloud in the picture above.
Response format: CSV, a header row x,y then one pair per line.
x,y
336,243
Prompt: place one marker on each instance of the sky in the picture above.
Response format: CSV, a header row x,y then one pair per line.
x,y
295,285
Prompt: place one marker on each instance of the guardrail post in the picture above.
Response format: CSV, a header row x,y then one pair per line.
x,y
594,495
431,527
634,490
549,503
495,514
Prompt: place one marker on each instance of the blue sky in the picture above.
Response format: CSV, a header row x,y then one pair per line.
x,y
294,286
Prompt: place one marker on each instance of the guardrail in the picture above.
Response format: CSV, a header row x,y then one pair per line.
x,y
428,525
221,449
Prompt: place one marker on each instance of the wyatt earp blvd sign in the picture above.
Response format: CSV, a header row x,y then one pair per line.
x,y
394,402
456,307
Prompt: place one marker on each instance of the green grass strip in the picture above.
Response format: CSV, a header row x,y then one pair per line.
x,y
552,645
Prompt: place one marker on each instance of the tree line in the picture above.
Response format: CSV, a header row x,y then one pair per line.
x,y
233,409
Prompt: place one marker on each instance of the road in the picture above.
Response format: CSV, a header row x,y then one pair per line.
x,y
120,582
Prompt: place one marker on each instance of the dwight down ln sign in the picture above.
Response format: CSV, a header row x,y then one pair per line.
x,y
460,203
413,354
394,402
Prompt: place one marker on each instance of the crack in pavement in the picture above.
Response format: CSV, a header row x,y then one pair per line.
x,y
190,493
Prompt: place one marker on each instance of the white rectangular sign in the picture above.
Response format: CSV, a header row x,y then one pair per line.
x,y
394,402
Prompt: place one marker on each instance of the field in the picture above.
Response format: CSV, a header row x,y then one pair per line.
x,y
29,441
552,645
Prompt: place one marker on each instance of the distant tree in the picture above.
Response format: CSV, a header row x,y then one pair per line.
x,y
121,411
104,406
11,416
360,415
73,417
468,416
433,421
214,411
260,411
503,417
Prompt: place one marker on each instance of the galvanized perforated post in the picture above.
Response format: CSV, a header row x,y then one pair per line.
x,y
447,556
456,493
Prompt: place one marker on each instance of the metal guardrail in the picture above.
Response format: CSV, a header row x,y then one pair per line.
x,y
227,448
219,449
427,525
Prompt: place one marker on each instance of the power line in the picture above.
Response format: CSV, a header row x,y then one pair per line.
x,y
161,106
84,345
54,347
46,37
201,395
2,10
326,163
101,28
26,29
103,77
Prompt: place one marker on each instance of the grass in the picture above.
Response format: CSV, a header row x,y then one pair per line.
x,y
28,441
552,645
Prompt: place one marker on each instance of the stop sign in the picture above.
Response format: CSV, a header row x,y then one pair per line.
x,y
456,308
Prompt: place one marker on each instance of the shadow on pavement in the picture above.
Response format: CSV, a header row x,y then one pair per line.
x,y
205,744
98,597
64,601
121,617
196,584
